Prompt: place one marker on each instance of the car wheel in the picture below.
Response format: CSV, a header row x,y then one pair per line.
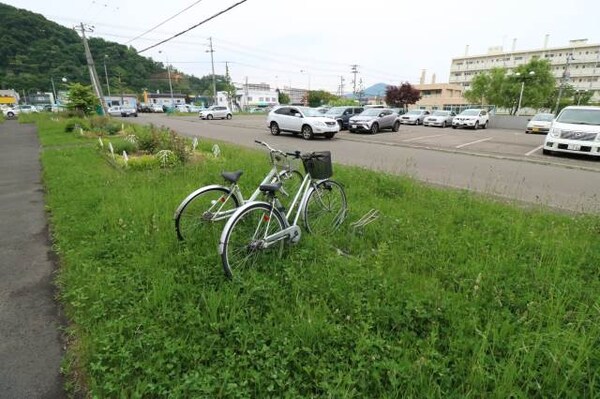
x,y
275,129
307,132
453,126
374,128
476,126
209,116
396,126
546,152
229,116
341,124
444,125
10,114
352,131
329,135
484,125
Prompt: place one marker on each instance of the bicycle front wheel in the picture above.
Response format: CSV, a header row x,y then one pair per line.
x,y
243,243
199,216
325,208
291,181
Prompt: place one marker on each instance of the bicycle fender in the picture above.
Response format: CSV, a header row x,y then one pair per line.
x,y
200,191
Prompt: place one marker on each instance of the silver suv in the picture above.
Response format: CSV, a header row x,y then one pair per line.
x,y
372,120
215,111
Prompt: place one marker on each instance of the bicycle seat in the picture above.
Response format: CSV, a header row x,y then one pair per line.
x,y
270,188
232,177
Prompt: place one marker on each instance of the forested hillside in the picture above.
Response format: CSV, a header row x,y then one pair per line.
x,y
34,50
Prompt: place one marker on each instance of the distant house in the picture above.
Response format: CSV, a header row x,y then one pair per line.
x,y
165,99
129,100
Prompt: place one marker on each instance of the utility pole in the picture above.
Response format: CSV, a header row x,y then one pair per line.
x,y
106,75
90,61
354,71
212,62
565,77
53,89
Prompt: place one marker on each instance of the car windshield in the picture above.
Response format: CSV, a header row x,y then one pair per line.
x,y
580,116
441,113
310,111
543,117
415,112
371,112
470,112
336,111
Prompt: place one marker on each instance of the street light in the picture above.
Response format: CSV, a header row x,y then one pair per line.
x,y
169,74
531,73
106,74
64,80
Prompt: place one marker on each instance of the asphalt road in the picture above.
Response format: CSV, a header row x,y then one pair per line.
x,y
30,342
499,162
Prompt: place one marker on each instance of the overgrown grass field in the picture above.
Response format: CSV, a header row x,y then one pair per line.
x,y
447,294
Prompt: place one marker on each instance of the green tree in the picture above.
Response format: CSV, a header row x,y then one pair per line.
x,y
317,98
82,99
340,102
283,98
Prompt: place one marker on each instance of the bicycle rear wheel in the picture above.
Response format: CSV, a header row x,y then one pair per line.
x,y
200,215
242,241
325,208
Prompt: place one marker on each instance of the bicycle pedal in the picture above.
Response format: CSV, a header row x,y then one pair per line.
x,y
295,235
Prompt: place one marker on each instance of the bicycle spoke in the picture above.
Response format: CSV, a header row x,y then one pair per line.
x,y
325,209
201,216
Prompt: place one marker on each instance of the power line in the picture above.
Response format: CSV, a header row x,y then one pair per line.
x,y
195,26
164,22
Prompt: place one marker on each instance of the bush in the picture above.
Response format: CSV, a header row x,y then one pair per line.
x,y
76,123
143,162
120,145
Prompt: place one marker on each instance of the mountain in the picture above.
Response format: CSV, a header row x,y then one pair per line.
x,y
35,51
376,90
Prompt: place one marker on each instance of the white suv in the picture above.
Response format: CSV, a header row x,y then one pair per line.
x,y
215,111
10,112
473,118
305,120
575,130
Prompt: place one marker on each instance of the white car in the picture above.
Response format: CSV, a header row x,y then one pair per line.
x,y
114,110
307,121
157,108
414,117
473,118
540,123
10,112
439,118
215,111
27,109
576,130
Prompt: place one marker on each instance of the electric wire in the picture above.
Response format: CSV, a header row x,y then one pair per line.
x,y
195,26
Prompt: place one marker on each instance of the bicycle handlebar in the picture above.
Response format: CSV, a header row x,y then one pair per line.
x,y
295,154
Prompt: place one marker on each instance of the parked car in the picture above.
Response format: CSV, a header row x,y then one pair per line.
x,y
439,118
322,110
115,110
575,130
257,110
128,111
372,120
540,123
215,111
473,118
343,114
26,109
10,112
156,108
414,117
307,121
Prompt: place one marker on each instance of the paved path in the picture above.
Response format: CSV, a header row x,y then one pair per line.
x,y
30,342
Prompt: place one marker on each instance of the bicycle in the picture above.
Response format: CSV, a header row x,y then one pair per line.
x,y
259,229
216,203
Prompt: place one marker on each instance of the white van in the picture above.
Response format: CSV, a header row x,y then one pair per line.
x,y
575,130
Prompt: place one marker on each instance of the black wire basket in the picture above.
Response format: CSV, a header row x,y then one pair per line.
x,y
318,164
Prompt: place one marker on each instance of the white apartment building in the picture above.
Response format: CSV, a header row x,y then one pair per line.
x,y
583,71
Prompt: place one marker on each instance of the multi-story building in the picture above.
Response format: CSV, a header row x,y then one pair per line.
x,y
578,63
442,96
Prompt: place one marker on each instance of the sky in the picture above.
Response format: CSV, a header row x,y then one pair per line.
x,y
313,44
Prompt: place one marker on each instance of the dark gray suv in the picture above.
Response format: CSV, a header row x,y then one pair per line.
x,y
343,114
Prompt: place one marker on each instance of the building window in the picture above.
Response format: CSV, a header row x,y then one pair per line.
x,y
249,98
261,99
518,58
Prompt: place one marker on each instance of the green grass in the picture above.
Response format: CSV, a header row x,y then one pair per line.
x,y
447,294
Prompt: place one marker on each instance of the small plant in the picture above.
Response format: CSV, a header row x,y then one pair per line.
x,y
120,145
74,124
167,158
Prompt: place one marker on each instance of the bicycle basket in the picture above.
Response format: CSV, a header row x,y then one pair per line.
x,y
318,164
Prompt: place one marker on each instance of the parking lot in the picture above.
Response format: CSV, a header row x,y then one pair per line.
x,y
484,142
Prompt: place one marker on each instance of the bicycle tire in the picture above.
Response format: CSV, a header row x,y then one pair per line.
x,y
325,208
240,244
190,218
